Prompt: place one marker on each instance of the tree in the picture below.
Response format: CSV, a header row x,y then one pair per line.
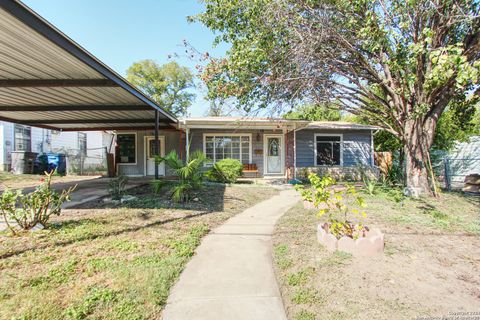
x,y
167,84
457,124
397,63
216,108
314,113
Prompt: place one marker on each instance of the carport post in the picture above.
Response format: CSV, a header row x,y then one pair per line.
x,y
157,146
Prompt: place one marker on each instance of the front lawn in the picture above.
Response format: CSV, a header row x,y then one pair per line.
x,y
430,267
111,263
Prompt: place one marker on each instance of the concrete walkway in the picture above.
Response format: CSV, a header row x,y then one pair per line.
x,y
231,276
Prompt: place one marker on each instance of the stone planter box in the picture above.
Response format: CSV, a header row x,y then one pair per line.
x,y
370,245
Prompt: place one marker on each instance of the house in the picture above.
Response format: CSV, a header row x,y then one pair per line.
x,y
51,82
276,147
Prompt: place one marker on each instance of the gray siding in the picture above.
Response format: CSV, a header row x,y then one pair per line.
x,y
196,138
356,147
172,142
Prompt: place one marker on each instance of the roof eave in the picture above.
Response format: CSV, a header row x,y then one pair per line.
x,y
30,18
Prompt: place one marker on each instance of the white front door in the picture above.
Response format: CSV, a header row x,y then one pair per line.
x,y
274,154
150,156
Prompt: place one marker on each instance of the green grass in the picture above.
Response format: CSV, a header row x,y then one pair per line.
x,y
111,263
298,278
305,296
281,255
305,315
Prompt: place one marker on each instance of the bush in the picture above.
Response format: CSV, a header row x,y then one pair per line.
x,y
35,207
116,187
226,171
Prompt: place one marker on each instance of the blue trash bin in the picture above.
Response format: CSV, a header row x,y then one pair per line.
x,y
57,161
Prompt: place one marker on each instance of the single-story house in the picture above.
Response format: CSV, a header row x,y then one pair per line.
x,y
272,147
49,81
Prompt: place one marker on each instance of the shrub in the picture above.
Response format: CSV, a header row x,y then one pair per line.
x,y
190,175
35,207
226,171
339,204
116,187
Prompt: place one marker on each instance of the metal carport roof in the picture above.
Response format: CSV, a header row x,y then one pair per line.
x,y
47,80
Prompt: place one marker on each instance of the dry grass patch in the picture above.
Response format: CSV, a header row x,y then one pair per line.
x,y
20,181
111,263
431,264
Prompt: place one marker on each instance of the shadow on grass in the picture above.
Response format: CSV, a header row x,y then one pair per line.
x,y
210,199
73,223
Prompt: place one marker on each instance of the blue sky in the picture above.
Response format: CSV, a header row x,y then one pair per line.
x,y
120,32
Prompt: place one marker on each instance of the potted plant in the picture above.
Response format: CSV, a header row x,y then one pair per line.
x,y
344,228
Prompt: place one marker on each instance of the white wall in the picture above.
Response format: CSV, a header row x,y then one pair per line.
x,y
45,141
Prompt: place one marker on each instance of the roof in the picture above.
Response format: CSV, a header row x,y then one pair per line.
x,y
48,80
240,122
253,122
337,125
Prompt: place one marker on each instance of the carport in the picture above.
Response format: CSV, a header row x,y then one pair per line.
x,y
49,81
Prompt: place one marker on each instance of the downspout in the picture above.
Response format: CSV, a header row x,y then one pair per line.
x,y
372,150
187,143
295,150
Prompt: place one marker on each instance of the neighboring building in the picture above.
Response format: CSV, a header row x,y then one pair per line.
x,y
16,137
463,160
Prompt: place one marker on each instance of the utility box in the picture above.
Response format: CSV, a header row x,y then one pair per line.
x,y
23,162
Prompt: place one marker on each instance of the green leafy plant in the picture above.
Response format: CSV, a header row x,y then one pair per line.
x,y
116,187
28,210
341,205
226,171
370,186
190,175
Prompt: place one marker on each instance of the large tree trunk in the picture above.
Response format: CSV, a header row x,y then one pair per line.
x,y
419,138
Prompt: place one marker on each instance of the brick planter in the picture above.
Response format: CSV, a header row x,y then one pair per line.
x,y
309,205
370,245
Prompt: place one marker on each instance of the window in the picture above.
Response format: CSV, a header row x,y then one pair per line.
x,y
82,143
22,138
273,147
328,150
218,147
127,146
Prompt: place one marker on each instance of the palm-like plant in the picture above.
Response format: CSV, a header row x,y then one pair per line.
x,y
190,175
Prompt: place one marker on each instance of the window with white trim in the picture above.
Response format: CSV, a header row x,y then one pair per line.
x,y
22,138
127,148
218,147
328,150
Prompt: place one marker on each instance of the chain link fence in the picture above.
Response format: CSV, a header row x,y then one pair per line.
x,y
86,162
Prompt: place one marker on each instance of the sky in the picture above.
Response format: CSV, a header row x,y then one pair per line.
x,y
120,32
